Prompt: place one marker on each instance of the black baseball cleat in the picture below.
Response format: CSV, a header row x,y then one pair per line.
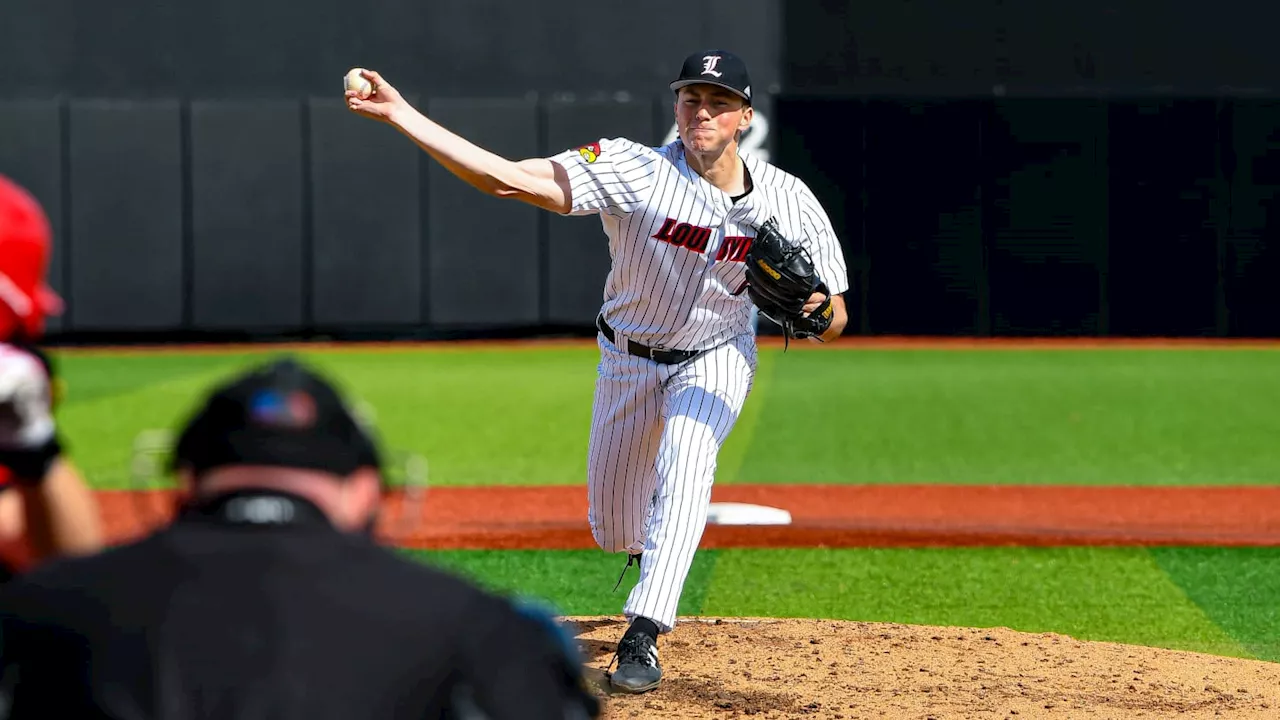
x,y
638,669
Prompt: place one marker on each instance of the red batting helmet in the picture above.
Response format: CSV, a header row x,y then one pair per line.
x,y
25,242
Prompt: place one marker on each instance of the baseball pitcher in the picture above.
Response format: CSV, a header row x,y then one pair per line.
x,y
698,233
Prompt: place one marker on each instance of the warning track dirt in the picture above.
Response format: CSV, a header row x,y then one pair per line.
x,y
554,517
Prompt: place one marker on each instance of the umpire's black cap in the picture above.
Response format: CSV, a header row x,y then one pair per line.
x,y
280,414
715,67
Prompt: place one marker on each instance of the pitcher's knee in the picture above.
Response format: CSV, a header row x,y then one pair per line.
x,y
610,543
617,527
613,540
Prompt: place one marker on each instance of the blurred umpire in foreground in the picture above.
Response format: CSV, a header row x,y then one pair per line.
x,y
267,597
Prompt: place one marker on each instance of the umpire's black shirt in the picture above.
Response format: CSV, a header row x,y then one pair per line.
x,y
254,606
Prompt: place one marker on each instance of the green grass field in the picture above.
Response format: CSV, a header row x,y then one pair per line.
x,y
1114,417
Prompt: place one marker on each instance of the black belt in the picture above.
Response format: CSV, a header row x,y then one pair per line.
x,y
664,357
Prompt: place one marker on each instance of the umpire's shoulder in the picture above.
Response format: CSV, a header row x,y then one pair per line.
x,y
409,583
72,583
424,573
406,575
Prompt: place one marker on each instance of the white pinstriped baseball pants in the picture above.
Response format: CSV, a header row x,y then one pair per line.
x,y
656,433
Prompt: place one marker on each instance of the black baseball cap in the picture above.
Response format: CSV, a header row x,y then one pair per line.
x,y
715,67
280,414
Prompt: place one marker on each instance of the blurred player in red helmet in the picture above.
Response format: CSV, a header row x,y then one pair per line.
x,y
46,509
25,244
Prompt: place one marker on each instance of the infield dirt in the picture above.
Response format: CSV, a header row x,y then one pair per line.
x,y
786,668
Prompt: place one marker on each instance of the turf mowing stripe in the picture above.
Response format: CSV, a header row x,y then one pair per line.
x,y
1238,588
1044,417
90,378
483,418
102,431
575,582
1112,594
444,406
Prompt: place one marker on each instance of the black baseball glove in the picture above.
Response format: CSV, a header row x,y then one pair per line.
x,y
780,279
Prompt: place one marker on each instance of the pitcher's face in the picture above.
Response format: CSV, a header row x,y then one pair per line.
x,y
709,117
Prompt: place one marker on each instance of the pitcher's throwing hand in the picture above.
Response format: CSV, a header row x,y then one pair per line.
x,y
381,104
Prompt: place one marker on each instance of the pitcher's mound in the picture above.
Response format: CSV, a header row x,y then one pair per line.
x,y
784,668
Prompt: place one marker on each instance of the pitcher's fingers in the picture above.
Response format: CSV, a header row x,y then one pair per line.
x,y
368,109
373,77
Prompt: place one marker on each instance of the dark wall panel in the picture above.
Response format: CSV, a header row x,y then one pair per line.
x,y
40,37
498,47
894,46
367,207
577,248
923,217
949,48
1252,251
450,47
483,252
1163,207
580,46
1045,215
31,155
246,214
126,215
1076,54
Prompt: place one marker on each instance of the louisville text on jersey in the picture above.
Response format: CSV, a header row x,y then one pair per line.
x,y
694,238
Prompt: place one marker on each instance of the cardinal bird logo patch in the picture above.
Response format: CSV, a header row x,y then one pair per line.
x,y
590,152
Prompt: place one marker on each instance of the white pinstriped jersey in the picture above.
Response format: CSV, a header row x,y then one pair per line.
x,y
678,243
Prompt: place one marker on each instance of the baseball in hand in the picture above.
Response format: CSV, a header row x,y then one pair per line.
x,y
355,81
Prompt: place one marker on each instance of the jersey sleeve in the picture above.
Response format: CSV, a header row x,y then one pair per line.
x,y
612,175
822,244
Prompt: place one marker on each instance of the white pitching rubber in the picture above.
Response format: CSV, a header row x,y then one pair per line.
x,y
727,513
